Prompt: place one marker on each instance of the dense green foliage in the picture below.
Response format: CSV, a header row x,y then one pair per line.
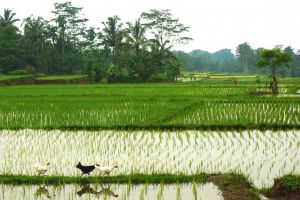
x,y
208,103
273,59
139,51
131,52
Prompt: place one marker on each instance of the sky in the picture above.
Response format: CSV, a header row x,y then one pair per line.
x,y
215,24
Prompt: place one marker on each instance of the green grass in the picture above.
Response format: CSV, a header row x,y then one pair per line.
x,y
66,77
291,182
167,106
12,77
133,178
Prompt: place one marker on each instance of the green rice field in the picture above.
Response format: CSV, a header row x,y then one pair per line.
x,y
181,129
184,105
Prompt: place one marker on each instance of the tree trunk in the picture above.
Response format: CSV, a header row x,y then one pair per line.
x,y
274,85
63,44
245,65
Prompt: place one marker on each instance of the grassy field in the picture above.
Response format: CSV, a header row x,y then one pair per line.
x,y
168,105
68,77
12,77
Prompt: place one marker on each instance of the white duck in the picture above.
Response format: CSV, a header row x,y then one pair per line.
x,y
106,170
42,169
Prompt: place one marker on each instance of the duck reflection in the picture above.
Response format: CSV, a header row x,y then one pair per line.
x,y
105,191
42,191
86,189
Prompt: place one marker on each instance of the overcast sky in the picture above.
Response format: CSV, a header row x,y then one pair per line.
x,y
215,24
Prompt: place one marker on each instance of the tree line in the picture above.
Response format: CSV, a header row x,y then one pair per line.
x,y
136,51
244,61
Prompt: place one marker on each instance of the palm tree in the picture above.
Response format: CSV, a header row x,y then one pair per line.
x,y
8,17
160,51
113,34
160,46
34,32
136,34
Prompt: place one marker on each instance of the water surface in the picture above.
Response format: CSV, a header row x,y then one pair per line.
x,y
207,191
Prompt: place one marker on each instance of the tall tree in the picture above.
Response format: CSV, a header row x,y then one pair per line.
x,y
273,59
293,62
34,33
113,34
165,27
11,54
167,32
245,55
8,18
297,62
70,24
136,35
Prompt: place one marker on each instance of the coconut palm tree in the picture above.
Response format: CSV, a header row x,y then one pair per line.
x,y
34,32
136,34
8,17
113,33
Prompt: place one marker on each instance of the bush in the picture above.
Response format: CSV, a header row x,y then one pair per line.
x,y
157,78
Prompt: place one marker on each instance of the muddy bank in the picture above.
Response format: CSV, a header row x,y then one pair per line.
x,y
287,187
234,186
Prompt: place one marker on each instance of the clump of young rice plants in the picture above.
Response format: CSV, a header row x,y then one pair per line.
x,y
242,113
260,155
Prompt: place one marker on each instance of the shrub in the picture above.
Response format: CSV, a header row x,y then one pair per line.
x,y
156,78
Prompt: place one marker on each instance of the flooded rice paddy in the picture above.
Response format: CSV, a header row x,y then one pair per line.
x,y
207,191
262,156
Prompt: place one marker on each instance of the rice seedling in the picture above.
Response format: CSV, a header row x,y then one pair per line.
x,y
260,155
142,106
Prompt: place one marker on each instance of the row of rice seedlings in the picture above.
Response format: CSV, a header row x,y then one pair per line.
x,y
135,90
287,113
260,155
64,112
83,114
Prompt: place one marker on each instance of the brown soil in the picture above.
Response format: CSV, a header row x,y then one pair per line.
x,y
279,192
233,187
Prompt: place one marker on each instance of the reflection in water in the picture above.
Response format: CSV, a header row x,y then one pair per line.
x,y
42,191
105,191
86,189
206,191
